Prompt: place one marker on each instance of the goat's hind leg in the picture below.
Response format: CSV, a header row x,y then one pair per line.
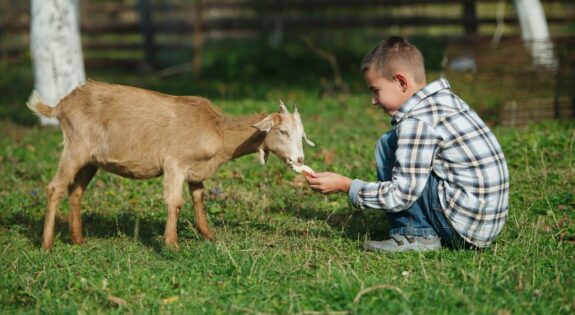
x,y
197,191
75,193
64,177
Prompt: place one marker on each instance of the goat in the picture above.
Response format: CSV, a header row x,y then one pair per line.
x,y
137,133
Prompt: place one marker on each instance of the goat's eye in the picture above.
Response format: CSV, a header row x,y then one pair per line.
x,y
284,132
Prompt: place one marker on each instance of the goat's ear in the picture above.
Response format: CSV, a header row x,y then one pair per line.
x,y
283,108
265,124
263,155
307,140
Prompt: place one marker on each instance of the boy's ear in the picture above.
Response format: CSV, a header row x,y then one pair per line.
x,y
402,80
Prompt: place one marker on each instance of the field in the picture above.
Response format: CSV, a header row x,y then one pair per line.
x,y
280,248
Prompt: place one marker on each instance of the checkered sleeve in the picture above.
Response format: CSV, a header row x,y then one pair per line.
x,y
416,146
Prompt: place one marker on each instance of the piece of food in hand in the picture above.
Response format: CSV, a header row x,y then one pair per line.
x,y
304,169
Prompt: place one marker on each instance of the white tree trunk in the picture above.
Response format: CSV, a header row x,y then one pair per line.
x,y
56,49
535,32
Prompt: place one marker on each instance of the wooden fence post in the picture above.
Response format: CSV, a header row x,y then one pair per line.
x,y
1,31
469,17
147,30
198,38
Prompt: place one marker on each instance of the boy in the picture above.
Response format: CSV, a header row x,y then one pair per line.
x,y
442,176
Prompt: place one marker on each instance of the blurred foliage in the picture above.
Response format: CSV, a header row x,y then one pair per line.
x,y
230,70
256,70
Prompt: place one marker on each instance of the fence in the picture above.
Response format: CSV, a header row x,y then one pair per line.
x,y
133,31
506,71
528,111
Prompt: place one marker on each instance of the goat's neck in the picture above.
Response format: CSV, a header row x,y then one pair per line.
x,y
240,137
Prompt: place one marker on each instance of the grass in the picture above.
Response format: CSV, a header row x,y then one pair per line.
x,y
280,247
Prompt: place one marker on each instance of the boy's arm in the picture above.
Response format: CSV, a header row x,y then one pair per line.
x,y
416,146
328,183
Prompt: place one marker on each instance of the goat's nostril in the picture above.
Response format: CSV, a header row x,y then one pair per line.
x,y
300,160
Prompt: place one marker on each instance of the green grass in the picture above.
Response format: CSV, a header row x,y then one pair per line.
x,y
280,247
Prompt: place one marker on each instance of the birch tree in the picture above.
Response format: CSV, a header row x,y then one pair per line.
x,y
535,32
57,59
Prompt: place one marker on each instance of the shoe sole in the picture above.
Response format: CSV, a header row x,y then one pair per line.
x,y
404,248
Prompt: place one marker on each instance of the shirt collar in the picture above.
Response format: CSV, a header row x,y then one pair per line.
x,y
411,102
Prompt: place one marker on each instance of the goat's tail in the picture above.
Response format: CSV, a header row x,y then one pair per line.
x,y
37,105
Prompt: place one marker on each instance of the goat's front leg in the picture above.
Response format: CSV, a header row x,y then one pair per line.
x,y
197,191
173,195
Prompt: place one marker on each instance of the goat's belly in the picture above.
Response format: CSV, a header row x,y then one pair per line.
x,y
132,170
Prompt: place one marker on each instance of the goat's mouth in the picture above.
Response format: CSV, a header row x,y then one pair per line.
x,y
292,164
301,168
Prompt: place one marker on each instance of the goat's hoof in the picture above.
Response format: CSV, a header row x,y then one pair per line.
x,y
77,240
46,247
47,243
172,246
209,237
171,242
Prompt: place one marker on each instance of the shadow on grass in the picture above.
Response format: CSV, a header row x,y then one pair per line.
x,y
148,231
354,224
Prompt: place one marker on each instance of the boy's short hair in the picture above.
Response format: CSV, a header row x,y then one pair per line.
x,y
394,54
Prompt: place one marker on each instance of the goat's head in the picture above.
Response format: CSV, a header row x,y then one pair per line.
x,y
284,136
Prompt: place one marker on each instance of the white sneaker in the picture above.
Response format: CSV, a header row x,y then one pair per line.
x,y
402,243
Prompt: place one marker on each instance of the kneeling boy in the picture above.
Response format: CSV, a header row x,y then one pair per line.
x,y
442,176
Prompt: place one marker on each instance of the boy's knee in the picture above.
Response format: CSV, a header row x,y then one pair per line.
x,y
386,142
387,135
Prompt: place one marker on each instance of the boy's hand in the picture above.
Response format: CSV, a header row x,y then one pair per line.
x,y
328,183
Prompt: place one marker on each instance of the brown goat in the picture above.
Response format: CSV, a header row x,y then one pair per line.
x,y
140,134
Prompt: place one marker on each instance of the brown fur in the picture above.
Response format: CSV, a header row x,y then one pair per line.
x,y
140,134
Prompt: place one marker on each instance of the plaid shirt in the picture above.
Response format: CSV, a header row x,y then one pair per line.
x,y
438,132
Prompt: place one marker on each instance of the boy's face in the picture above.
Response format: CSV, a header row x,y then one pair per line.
x,y
389,95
